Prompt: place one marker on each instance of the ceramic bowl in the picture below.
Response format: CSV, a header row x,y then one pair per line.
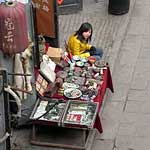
x,y
76,57
80,63
84,59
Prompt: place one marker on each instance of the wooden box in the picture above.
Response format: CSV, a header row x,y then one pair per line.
x,y
80,114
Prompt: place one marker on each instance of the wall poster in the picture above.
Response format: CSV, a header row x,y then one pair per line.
x,y
45,17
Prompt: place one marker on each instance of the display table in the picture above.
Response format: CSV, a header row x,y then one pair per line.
x,y
107,83
87,133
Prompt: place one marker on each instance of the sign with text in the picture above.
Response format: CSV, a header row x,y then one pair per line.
x,y
45,17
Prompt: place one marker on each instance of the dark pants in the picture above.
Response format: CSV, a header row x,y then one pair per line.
x,y
98,53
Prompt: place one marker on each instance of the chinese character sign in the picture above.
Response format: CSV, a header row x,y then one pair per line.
x,y
13,28
45,17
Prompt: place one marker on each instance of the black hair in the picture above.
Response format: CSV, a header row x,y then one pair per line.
x,y
84,28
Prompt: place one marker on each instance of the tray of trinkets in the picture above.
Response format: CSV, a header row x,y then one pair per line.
x,y
48,111
80,114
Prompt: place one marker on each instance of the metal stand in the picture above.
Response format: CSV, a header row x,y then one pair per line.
x,y
63,137
6,137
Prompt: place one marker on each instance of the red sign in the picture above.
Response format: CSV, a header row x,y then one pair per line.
x,y
13,28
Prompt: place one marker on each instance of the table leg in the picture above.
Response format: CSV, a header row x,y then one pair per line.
x,y
33,132
84,136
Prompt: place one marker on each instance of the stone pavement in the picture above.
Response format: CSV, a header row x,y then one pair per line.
x,y
108,30
126,115
119,37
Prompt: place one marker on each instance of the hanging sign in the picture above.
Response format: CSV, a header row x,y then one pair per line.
x,y
45,17
13,28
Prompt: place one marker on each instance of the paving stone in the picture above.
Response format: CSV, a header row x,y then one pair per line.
x,y
142,71
141,11
132,42
120,92
143,65
127,129
147,28
133,106
125,142
148,88
145,40
143,2
124,74
138,95
142,143
128,117
103,145
136,26
145,107
143,119
145,54
139,82
132,143
110,119
138,107
143,130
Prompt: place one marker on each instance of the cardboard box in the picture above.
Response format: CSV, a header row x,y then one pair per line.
x,y
54,54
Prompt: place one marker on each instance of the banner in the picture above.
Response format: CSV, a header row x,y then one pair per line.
x,y
45,17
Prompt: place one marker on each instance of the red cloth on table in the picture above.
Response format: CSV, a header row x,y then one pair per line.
x,y
107,83
99,98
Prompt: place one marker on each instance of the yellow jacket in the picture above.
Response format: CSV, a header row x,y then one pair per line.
x,y
76,47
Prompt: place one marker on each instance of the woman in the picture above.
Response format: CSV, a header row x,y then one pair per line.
x,y
78,43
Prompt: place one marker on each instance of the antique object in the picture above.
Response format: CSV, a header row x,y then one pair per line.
x,y
67,85
72,93
62,64
76,58
84,60
88,94
41,84
80,63
76,80
61,74
92,60
100,63
91,83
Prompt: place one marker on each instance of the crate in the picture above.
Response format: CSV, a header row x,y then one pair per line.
x,y
74,114
48,112
80,114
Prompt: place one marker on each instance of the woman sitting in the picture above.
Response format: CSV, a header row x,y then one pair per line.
x,y
78,43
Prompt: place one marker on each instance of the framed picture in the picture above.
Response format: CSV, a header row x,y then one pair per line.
x,y
41,84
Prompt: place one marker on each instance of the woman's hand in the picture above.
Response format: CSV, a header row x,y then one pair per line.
x,y
92,50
